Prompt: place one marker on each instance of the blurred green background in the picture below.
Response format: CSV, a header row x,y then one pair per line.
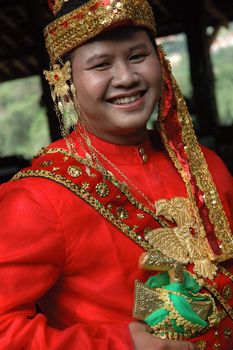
x,y
23,122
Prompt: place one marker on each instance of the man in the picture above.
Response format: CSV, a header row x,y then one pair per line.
x,y
77,222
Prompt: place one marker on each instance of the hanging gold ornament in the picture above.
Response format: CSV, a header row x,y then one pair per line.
x,y
57,79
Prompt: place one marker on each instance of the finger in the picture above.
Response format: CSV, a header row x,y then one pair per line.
x,y
185,346
192,346
148,329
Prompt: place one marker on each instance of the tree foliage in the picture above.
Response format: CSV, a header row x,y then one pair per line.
x,y
23,121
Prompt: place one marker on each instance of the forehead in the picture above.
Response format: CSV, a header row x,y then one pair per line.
x,y
118,33
125,37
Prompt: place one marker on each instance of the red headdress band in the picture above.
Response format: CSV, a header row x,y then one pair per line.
x,y
182,145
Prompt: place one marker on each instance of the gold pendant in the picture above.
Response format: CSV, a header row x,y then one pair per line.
x,y
185,243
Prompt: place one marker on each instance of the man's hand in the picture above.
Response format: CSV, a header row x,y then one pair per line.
x,y
143,340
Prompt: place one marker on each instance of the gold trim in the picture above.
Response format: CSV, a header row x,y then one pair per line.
x,y
205,182
84,23
215,293
199,170
225,272
148,300
87,197
110,177
220,299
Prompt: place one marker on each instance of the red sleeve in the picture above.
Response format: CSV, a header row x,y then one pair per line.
x,y
31,261
223,181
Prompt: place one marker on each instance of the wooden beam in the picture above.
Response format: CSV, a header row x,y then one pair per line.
x,y
36,13
201,70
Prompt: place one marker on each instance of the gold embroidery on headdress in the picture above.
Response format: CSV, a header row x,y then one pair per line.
x,y
85,22
56,5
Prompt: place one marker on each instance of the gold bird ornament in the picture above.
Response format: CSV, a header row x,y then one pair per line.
x,y
186,241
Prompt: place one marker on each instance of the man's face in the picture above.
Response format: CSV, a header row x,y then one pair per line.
x,y
118,81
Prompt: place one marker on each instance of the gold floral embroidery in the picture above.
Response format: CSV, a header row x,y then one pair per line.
x,y
74,171
46,163
102,189
228,333
122,213
227,292
201,344
85,186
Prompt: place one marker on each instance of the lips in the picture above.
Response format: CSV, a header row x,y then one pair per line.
x,y
126,99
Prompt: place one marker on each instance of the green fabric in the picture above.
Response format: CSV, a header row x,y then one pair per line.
x,y
187,289
157,317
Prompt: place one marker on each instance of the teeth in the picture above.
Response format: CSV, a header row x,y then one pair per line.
x,y
125,100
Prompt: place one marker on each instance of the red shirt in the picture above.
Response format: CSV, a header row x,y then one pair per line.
x,y
60,253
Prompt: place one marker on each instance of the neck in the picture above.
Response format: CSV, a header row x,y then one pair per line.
x,y
123,138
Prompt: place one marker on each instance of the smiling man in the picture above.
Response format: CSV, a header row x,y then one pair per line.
x,y
117,89
122,236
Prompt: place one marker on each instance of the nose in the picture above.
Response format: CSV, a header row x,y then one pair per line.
x,y
124,75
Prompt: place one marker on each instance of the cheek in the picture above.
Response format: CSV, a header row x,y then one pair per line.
x,y
152,73
90,87
157,73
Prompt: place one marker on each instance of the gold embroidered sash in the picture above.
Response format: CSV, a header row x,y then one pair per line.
x,y
113,200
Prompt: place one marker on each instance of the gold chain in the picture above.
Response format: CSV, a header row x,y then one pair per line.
x,y
95,153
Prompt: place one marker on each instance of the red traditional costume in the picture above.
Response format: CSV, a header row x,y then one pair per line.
x,y
59,251
72,230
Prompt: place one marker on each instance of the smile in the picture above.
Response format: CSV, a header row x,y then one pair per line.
x,y
126,100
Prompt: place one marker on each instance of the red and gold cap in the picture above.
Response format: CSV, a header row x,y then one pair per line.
x,y
77,21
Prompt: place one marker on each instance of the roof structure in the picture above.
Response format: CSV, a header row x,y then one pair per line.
x,y
22,22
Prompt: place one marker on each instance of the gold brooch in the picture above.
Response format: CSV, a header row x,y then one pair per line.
x,y
58,77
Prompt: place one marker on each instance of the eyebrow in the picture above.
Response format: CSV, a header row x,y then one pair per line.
x,y
103,56
138,46
96,57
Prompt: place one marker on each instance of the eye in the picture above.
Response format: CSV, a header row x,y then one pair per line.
x,y
101,66
138,57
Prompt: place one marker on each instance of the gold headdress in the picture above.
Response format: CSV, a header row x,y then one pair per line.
x,y
74,28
